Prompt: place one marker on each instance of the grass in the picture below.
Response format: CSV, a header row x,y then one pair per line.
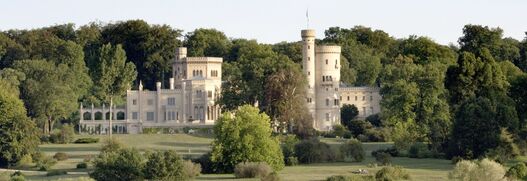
x,y
193,146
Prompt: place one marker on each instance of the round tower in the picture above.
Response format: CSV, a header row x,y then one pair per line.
x,y
308,66
327,76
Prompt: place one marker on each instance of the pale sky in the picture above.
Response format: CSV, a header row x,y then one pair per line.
x,y
273,21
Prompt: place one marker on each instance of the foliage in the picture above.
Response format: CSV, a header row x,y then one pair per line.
x,y
207,43
66,134
42,161
252,170
56,172
314,151
419,150
347,114
484,170
391,151
111,145
123,164
339,130
164,165
60,156
271,177
353,150
383,158
392,173
205,163
18,135
350,178
288,149
519,95
518,171
81,165
190,170
245,136
86,140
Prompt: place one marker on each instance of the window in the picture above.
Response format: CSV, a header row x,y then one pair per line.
x,y
150,102
134,115
326,61
371,98
371,110
308,47
327,116
336,102
198,93
308,58
149,116
308,73
309,100
171,101
363,98
170,115
323,78
134,102
348,98
355,98
214,73
327,102
364,111
209,94
336,89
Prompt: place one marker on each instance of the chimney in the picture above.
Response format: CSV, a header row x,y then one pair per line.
x,y
158,86
171,80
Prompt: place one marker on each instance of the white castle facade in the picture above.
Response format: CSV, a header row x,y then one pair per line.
x,y
195,86
190,100
325,95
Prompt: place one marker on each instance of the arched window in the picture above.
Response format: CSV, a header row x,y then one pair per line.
x,y
120,115
98,116
86,116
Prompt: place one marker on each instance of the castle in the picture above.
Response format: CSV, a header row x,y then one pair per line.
x,y
195,86
325,94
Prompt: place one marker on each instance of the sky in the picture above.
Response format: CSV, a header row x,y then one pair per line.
x,y
273,21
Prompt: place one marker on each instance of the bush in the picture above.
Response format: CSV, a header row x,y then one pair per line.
x,y
17,178
392,151
419,150
314,151
206,165
288,148
66,134
25,162
350,178
456,159
328,134
339,130
291,161
252,170
190,170
82,165
390,173
124,164
484,170
42,161
60,156
111,145
353,150
56,172
86,140
164,165
383,158
518,171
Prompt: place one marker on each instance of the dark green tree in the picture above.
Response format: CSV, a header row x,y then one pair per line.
x,y
164,165
124,164
347,114
207,43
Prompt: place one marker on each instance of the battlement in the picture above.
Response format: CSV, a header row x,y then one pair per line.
x,y
308,33
202,59
365,88
327,49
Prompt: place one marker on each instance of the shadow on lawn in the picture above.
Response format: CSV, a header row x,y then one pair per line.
x,y
183,144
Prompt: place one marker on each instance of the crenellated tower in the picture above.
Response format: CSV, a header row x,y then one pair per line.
x,y
308,66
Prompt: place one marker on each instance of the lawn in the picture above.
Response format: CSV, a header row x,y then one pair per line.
x,y
194,146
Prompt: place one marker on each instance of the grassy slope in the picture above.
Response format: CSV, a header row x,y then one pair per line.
x,y
420,169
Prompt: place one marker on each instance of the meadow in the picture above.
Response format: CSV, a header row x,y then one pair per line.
x,y
192,146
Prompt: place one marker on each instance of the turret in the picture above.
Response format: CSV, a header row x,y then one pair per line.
x,y
181,52
308,66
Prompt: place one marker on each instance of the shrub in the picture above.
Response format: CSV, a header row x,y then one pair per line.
x,y
484,170
25,162
164,165
86,140
82,165
518,171
456,159
190,170
123,164
353,150
314,151
17,178
42,161
419,150
206,165
288,147
350,178
66,134
252,170
390,173
347,135
339,130
328,134
56,172
383,158
111,145
363,138
392,151
291,161
60,156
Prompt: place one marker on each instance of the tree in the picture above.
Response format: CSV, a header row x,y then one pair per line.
x,y
125,164
113,76
164,165
207,42
285,96
10,51
149,47
46,91
293,50
18,135
244,136
519,95
347,114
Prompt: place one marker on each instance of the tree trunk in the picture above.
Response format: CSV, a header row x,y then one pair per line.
x,y
110,121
